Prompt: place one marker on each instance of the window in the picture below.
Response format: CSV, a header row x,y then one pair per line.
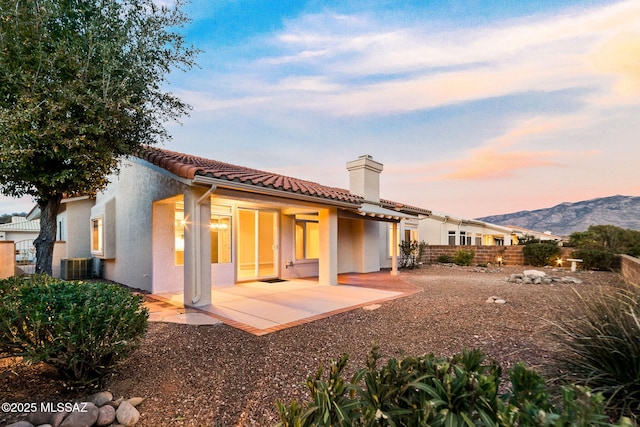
x,y
478,241
178,231
96,235
452,238
307,237
220,234
463,238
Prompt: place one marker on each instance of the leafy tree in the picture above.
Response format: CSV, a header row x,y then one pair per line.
x,y
608,238
81,84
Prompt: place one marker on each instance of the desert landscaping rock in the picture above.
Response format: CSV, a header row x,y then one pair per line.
x,y
21,424
534,273
100,398
371,307
89,415
85,418
127,414
496,300
135,401
536,277
106,416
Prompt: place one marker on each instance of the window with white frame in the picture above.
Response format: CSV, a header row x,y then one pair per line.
x,y
307,230
452,238
97,236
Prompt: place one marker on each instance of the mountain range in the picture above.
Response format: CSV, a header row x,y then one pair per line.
x,y
566,218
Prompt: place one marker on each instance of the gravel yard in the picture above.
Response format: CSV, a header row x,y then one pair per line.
x,y
221,376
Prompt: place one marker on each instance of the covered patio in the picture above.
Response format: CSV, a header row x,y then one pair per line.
x,y
261,307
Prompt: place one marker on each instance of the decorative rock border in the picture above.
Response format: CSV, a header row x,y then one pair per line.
x,y
540,277
98,410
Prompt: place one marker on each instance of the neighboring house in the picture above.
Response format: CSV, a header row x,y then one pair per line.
x,y
444,229
546,236
172,222
22,232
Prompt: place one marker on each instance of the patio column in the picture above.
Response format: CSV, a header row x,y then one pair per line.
x,y
328,261
394,252
197,247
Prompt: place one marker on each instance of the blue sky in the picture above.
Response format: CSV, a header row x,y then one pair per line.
x,y
474,107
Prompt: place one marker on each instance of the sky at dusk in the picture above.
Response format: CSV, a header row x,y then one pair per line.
x,y
475,107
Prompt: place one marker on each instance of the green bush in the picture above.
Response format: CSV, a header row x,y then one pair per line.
x,y
462,390
541,254
600,337
82,329
464,257
597,259
445,259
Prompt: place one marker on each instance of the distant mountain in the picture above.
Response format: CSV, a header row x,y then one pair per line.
x,y
565,218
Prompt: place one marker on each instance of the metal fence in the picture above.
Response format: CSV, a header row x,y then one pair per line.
x,y
26,256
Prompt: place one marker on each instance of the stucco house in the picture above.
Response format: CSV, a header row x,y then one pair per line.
x,y
173,222
22,231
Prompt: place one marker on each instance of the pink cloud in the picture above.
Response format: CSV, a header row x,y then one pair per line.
x,y
490,163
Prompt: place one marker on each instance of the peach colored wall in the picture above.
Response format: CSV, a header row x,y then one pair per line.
x,y
7,259
630,269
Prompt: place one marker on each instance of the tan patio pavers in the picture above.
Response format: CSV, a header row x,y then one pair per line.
x,y
261,308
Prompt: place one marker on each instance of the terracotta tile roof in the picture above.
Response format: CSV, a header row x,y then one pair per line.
x,y
187,166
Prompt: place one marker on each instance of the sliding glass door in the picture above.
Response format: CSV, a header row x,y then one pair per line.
x,y
257,244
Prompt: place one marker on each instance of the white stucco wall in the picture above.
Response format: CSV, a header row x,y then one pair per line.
x,y
76,227
137,187
347,230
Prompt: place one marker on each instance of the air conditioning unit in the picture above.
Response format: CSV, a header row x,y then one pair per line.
x,y
76,268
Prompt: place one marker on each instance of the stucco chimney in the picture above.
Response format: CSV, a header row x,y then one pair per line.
x,y
364,177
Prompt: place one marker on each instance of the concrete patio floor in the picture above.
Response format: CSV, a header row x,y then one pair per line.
x,y
260,308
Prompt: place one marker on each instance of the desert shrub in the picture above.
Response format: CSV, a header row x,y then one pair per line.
x,y
541,254
459,390
411,253
82,329
597,259
445,259
600,337
464,257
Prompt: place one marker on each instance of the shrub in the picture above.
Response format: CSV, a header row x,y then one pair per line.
x,y
82,329
541,254
428,390
464,257
601,341
411,253
445,259
597,259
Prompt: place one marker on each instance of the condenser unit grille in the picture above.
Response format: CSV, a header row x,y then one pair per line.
x,y
76,268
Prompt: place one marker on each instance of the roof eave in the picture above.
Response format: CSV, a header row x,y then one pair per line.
x,y
239,186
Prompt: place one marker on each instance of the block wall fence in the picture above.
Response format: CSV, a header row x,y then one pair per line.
x,y
7,258
511,255
630,269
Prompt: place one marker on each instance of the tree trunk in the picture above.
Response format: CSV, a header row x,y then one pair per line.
x,y
47,238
